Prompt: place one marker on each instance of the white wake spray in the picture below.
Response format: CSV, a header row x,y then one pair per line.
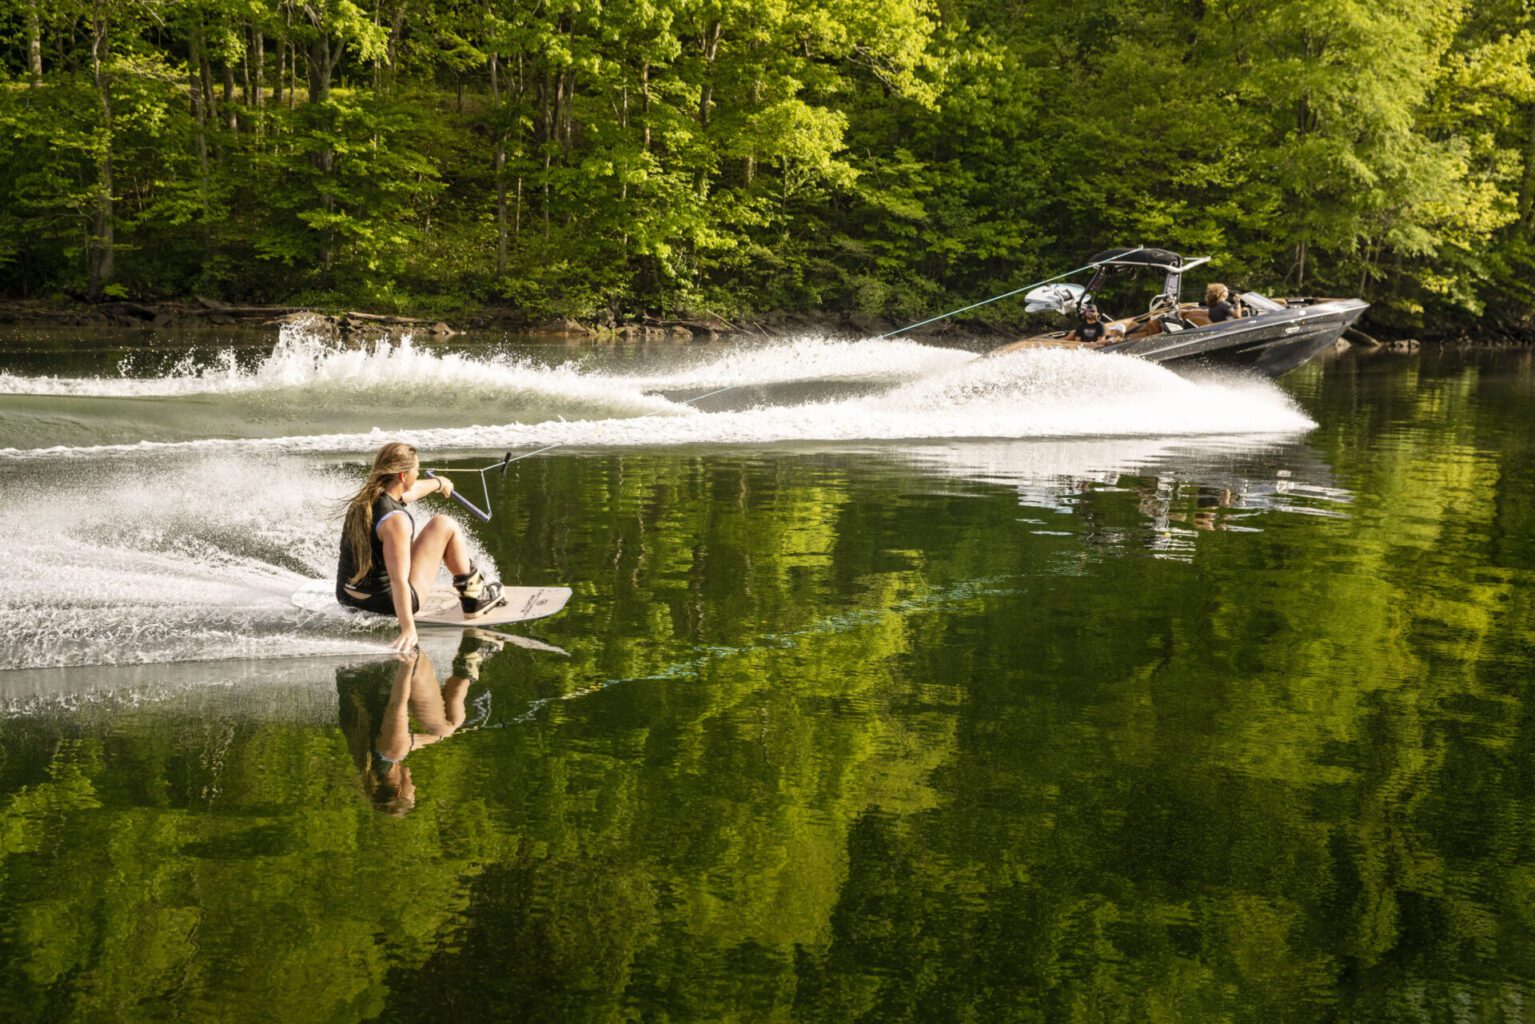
x,y
357,398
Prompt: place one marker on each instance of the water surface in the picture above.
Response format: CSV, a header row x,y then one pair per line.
x,y
897,685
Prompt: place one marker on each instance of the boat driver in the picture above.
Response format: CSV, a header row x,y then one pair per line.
x,y
1215,301
1091,329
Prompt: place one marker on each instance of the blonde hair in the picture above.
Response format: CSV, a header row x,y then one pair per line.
x,y
1215,292
394,458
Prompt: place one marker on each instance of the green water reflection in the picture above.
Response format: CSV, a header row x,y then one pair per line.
x,y
845,736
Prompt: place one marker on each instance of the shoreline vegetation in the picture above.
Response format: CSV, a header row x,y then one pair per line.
x,y
686,163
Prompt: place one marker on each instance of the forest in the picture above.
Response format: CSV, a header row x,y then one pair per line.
x,y
724,157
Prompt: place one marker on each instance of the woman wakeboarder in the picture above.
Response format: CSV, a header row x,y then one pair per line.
x,y
385,565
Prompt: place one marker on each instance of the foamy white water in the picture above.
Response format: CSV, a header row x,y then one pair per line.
x,y
924,392
373,383
820,359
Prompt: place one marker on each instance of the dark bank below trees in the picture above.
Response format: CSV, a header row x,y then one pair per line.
x,y
257,322
708,160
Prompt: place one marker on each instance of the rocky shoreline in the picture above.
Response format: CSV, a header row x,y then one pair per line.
x,y
203,313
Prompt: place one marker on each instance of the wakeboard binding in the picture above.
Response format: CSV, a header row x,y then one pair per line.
x,y
476,594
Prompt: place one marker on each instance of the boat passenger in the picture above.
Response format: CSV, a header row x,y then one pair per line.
x,y
385,565
1215,301
1091,329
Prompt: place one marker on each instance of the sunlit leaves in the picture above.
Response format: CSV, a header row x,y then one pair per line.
x,y
878,155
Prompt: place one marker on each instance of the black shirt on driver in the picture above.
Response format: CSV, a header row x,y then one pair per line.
x,y
1090,330
1221,310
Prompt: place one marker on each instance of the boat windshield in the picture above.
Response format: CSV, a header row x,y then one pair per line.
x,y
1263,304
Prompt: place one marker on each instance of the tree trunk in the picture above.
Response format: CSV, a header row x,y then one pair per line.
x,y
245,78
501,239
320,67
710,44
710,47
258,60
550,99
205,80
231,112
394,45
35,43
100,254
750,168
645,102
1527,183
495,95
284,55
195,93
565,105
378,62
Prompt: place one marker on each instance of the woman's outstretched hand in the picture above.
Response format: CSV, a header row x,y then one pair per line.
x,y
406,641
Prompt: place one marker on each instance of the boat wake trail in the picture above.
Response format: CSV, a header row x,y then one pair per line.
x,y
308,396
307,386
807,360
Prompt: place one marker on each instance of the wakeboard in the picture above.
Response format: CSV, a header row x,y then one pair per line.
x,y
438,609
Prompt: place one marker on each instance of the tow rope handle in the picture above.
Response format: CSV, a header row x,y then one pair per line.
x,y
471,506
485,487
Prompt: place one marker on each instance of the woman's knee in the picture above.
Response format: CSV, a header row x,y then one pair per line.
x,y
431,546
444,523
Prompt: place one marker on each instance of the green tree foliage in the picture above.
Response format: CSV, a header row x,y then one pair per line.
x,y
885,156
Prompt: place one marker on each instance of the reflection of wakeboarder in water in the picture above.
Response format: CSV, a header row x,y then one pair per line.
x,y
379,702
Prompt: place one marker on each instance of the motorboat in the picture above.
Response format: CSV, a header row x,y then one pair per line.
x,y
1269,336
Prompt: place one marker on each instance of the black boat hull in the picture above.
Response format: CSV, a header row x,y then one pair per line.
x,y
1271,343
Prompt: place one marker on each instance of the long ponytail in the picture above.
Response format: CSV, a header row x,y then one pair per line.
x,y
394,458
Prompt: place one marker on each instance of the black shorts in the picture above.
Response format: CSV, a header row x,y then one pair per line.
x,y
382,603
